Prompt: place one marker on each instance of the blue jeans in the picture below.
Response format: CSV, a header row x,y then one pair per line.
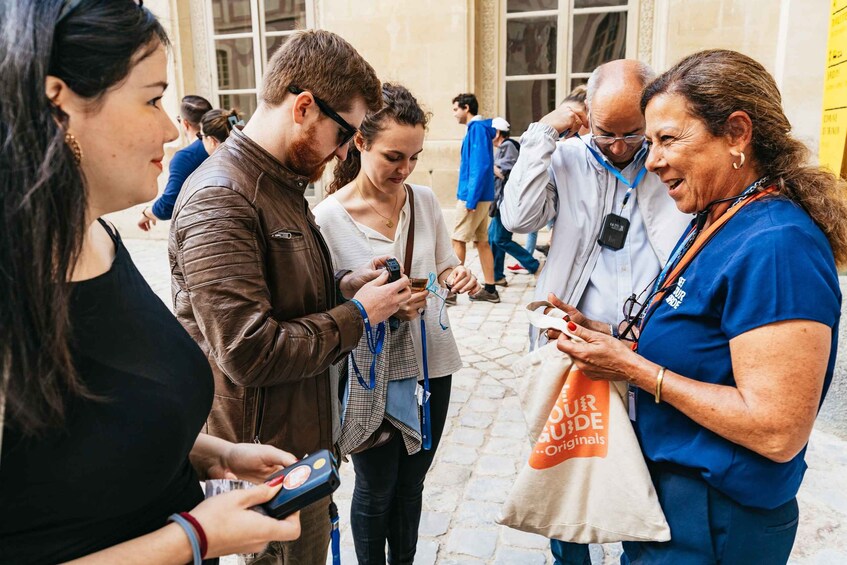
x,y
388,494
531,240
501,243
708,527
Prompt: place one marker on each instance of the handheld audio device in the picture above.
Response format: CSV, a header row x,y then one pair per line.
x,y
307,481
393,268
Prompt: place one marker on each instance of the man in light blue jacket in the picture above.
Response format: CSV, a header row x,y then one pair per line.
x,y
475,192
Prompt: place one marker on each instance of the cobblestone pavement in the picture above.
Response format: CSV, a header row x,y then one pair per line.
x,y
482,449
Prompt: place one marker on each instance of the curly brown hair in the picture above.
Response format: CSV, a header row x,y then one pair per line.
x,y
717,82
399,106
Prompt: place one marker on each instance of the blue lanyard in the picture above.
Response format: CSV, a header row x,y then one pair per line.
x,y
680,249
683,245
426,421
335,534
375,344
606,165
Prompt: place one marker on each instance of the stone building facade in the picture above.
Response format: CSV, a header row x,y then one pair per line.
x,y
519,56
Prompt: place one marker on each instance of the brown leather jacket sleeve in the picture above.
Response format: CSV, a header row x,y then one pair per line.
x,y
219,263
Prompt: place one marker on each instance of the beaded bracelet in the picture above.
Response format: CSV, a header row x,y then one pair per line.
x,y
192,536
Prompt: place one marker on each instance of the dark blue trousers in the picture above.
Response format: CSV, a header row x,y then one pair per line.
x,y
569,553
501,243
709,528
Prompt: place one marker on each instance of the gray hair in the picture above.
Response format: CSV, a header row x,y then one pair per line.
x,y
643,72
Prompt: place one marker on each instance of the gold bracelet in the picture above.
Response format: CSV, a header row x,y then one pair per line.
x,y
659,378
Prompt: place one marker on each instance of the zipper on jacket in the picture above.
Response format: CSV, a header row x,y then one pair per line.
x,y
592,249
257,418
286,235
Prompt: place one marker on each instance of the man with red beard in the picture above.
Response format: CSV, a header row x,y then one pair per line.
x,y
253,281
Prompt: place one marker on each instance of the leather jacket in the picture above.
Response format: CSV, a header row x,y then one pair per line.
x,y
252,282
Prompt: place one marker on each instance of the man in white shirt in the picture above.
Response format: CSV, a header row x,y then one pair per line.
x,y
587,186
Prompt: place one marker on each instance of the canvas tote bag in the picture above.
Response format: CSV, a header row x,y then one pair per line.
x,y
585,480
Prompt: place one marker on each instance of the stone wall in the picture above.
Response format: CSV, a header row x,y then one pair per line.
x,y
788,37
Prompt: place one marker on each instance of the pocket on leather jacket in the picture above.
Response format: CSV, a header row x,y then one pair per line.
x,y
287,240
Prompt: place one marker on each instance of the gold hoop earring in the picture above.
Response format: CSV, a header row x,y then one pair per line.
x,y
73,145
740,164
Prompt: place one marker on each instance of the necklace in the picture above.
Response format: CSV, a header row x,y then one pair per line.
x,y
389,223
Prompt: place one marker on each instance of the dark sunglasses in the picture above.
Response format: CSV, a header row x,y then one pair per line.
x,y
346,133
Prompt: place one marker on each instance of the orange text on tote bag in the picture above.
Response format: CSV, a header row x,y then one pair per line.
x,y
577,425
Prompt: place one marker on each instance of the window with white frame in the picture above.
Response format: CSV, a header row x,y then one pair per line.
x,y
245,33
551,46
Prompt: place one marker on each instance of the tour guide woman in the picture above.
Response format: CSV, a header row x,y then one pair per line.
x,y
737,344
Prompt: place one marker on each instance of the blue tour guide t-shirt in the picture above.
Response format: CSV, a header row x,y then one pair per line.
x,y
767,264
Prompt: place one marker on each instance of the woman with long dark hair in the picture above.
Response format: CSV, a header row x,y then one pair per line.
x,y
372,212
104,392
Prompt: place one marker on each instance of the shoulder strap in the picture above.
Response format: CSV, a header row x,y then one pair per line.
x,y
410,238
112,234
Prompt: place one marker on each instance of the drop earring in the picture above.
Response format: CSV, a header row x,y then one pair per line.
x,y
740,164
73,145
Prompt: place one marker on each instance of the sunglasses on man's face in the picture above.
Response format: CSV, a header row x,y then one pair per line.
x,y
345,132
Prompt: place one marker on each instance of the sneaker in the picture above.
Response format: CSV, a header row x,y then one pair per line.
x,y
485,296
518,269
501,282
451,299
545,249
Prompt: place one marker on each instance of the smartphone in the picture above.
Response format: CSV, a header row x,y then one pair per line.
x,y
419,284
309,480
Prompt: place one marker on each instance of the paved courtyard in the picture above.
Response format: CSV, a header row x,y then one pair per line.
x,y
482,448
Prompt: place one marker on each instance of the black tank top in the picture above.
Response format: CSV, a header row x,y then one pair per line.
x,y
119,466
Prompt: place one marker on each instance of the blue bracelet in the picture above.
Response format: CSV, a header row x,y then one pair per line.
x,y
192,536
375,345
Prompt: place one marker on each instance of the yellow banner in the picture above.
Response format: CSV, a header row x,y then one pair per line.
x,y
833,145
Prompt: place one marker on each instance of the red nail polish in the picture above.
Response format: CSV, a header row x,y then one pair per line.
x,y
276,481
572,326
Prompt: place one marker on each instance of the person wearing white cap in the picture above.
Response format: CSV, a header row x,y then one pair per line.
x,y
499,238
